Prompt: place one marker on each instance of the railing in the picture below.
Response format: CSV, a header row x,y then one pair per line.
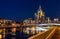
x,y
43,24
56,34
44,35
52,33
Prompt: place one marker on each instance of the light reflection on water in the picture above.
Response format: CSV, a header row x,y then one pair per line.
x,y
15,33
37,29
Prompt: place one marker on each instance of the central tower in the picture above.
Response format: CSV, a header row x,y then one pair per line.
x,y
40,16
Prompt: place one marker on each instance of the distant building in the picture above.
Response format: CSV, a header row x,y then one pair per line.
x,y
47,20
40,16
5,22
56,20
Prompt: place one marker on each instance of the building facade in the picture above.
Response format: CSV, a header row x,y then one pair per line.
x,y
40,16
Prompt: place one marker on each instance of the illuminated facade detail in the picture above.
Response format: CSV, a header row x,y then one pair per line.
x,y
0,36
48,20
40,15
56,20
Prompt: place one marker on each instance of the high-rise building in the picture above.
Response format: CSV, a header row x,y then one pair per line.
x,y
40,15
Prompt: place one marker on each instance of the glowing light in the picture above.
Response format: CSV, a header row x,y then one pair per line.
x,y
0,30
27,32
56,19
40,29
33,28
0,36
27,28
13,24
13,29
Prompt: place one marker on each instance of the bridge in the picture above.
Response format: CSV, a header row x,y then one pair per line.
x,y
53,33
45,24
49,24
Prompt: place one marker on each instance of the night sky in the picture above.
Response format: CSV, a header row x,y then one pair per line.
x,y
22,9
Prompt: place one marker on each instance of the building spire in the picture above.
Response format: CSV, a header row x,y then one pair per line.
x,y
40,11
39,8
40,14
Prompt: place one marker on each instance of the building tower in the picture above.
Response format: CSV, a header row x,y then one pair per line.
x,y
40,15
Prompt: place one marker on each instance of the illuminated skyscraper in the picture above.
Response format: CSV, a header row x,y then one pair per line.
x,y
40,15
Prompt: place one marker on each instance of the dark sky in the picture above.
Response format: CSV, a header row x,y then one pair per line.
x,y
23,9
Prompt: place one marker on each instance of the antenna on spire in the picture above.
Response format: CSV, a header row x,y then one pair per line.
x,y
39,8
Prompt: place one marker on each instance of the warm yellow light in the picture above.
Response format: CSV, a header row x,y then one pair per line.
x,y
27,28
13,24
0,30
0,36
33,28
1,21
27,32
13,29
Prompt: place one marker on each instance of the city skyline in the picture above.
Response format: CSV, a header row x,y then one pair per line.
x,y
23,9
